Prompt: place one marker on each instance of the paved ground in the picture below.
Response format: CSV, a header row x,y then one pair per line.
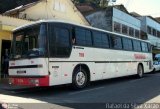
x,y
128,90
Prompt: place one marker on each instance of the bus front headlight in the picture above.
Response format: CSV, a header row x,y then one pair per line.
x,y
34,82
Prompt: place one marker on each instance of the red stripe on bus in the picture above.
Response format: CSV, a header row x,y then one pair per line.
x,y
44,81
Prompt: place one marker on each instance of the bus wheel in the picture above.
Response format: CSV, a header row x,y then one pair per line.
x,y
79,79
154,70
140,71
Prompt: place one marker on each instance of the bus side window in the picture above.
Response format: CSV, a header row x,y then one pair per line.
x,y
144,47
73,37
59,41
137,46
116,42
105,41
97,39
80,36
83,37
127,44
62,41
149,48
73,40
88,38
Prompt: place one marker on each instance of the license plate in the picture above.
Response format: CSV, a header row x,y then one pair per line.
x,y
22,71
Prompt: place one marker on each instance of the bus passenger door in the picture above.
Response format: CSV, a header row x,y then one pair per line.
x,y
55,73
60,50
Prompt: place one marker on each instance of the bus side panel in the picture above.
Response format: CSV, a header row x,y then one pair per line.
x,y
61,72
55,72
102,64
119,64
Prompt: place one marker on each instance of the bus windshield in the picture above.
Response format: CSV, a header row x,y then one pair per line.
x,y
29,42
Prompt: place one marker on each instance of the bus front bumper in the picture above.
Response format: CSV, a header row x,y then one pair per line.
x,y
29,81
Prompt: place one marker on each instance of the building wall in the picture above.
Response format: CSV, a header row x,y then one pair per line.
x,y
99,20
147,21
126,19
153,23
105,19
54,9
7,24
12,22
143,24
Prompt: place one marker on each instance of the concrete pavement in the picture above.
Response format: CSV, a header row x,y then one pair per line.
x,y
14,102
119,90
29,103
154,100
15,99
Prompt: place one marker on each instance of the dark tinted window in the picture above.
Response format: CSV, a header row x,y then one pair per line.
x,y
136,45
116,42
149,30
88,38
62,36
158,34
59,41
137,33
97,39
117,27
83,37
131,31
154,32
105,42
80,36
127,44
149,47
124,29
144,47
100,40
52,41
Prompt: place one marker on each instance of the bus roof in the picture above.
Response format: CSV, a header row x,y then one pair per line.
x,y
67,22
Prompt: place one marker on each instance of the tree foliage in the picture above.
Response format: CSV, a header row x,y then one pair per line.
x,y
103,3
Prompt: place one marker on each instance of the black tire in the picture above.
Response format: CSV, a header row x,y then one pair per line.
x,y
140,71
154,70
75,83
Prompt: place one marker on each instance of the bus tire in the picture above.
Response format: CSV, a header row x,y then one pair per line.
x,y
140,71
154,70
79,78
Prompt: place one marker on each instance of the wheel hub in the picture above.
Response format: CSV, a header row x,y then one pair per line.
x,y
80,78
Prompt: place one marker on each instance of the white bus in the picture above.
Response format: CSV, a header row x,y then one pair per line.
x,y
48,53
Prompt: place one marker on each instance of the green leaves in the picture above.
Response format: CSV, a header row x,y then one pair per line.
x,y
103,3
